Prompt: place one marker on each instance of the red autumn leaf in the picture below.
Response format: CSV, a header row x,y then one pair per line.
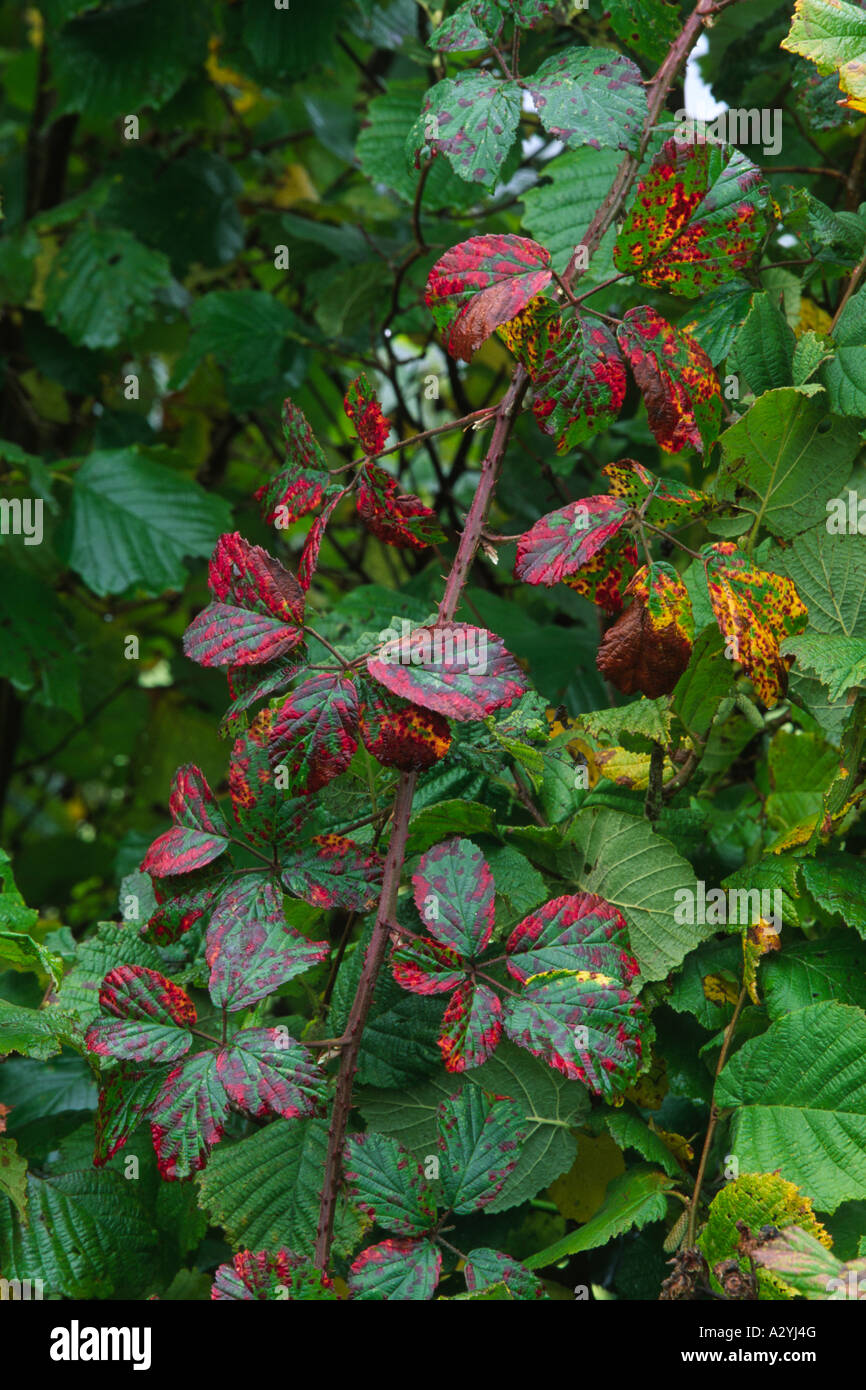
x,y
453,889
332,871
561,543
303,484
603,578
457,670
396,518
199,834
425,966
312,545
255,1275
150,1017
577,931
266,1072
580,386
663,501
649,647
183,901
248,577
251,950
189,1116
471,1026
362,407
676,379
259,610
482,283
400,734
314,732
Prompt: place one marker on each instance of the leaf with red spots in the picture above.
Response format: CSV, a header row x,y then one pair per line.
x,y
387,1183
453,889
561,543
425,966
304,483
528,13
183,901
471,27
662,501
314,732
676,379
577,932
361,404
396,518
400,734
251,950
126,1094
455,669
479,1145
258,613
199,834
256,799
755,611
265,1071
580,387
482,283
590,96
189,1116
485,1268
698,217
583,1023
255,1275
332,871
472,119
603,579
309,561
649,647
471,1026
399,1270
151,1017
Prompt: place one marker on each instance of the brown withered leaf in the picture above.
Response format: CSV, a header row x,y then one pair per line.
x,y
637,656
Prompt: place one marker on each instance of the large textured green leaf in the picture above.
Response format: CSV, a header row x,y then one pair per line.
x,y
799,1092
633,1199
381,145
559,208
838,882
647,26
245,331
838,662
845,374
388,1184
34,1032
807,972
134,520
832,34
102,285
764,347
479,1144
830,575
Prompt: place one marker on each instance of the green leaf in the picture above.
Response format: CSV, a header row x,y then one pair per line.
x,y
832,34
642,723
479,1143
243,329
34,1032
830,576
472,119
845,374
134,520
808,972
629,1131
634,1198
837,881
647,26
559,209
810,352
757,1200
388,1185
799,1092
381,150
100,289
36,654
590,96
784,458
13,1175
717,318
289,43
764,346
838,662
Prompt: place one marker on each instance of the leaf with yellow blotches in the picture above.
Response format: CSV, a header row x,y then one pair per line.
x,y
832,35
758,1199
630,769
719,989
760,938
240,91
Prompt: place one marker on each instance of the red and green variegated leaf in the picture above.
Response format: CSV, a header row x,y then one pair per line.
x,y
577,932
471,1027
332,871
293,493
400,734
309,561
261,808
479,1145
265,1071
528,13
193,804
135,992
402,1270
425,966
246,576
388,1184
361,404
188,1116
454,894
649,647
755,612
199,834
485,1267
583,1024
533,333
250,948
182,902
125,1096
248,685
285,1276
698,217
396,518
482,283
224,635
590,96
471,26
676,379
302,448
134,1041
666,598
472,119
314,733
580,386
460,671
665,501
561,543
604,578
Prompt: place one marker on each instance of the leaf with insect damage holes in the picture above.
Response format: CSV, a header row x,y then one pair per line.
x,y
580,385
387,1183
265,1071
485,1267
314,732
199,834
396,518
561,543
577,932
361,404
401,1270
482,283
258,612
151,1021
698,217
454,669
332,871
250,949
183,901
663,501
604,577
755,611
309,561
471,1026
256,1275
303,485
188,1116
125,1096
400,734
454,894
584,1024
832,35
676,379
472,119
479,1145
471,27
649,647
590,96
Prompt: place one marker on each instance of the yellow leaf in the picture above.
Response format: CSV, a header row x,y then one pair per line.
x,y
719,990
294,186
579,1193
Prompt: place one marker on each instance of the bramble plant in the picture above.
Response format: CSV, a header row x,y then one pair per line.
x,y
455,974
